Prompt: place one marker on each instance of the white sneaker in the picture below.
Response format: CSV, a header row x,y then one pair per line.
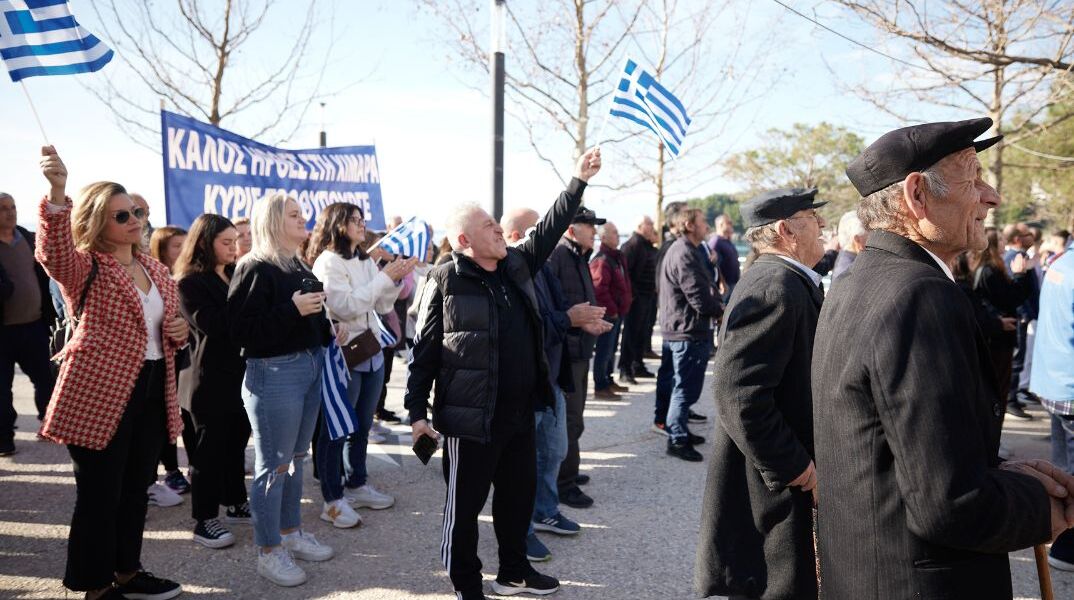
x,y
368,497
379,429
279,568
162,495
340,514
304,546
376,438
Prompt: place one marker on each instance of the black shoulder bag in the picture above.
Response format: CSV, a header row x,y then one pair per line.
x,y
64,327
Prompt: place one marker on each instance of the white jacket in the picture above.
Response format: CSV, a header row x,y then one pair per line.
x,y
353,289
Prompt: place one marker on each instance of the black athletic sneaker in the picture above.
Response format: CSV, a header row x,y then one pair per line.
x,y
534,583
695,440
685,452
145,586
696,418
581,479
211,534
240,513
575,498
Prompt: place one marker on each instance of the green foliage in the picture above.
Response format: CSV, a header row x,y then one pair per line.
x,y
717,204
804,156
1036,188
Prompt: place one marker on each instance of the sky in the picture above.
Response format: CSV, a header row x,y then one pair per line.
x,y
396,87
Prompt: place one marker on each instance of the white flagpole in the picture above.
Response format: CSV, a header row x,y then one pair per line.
x,y
33,109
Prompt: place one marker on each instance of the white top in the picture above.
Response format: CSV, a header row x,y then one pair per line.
x,y
353,289
810,273
153,309
943,265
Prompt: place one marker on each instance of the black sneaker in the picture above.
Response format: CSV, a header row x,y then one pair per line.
x,y
240,513
694,440
474,595
387,415
111,594
1017,410
1027,396
581,479
8,448
176,482
145,586
575,498
211,534
534,583
684,451
696,418
643,373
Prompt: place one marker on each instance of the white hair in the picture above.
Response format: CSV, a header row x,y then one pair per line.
x,y
850,227
458,221
883,209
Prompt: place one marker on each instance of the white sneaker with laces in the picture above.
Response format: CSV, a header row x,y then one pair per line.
x,y
279,568
304,546
376,438
164,496
340,514
368,497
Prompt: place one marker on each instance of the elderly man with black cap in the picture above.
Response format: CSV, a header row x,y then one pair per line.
x,y
757,517
913,500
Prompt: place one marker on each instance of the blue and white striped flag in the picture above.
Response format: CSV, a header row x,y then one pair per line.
x,y
384,333
42,37
640,98
409,239
337,410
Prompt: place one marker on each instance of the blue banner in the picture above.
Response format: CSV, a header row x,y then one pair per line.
x,y
211,170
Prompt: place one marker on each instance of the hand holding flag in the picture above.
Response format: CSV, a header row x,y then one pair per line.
x,y
588,164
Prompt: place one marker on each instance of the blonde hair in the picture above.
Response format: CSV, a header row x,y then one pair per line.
x,y
90,216
267,233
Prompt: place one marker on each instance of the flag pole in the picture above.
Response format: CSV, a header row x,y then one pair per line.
x,y
33,109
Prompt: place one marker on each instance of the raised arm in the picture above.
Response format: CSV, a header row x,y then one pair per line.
x,y
55,247
539,246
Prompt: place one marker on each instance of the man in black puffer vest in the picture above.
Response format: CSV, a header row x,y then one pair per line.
x,y
479,349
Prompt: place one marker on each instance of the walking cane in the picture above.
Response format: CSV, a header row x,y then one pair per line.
x,y
1043,573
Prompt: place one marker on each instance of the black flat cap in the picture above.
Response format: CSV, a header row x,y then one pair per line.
x,y
772,206
584,215
913,149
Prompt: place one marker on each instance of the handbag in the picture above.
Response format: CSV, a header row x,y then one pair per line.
x,y
361,348
64,327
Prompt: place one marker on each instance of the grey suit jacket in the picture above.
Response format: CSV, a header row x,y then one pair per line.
x,y
905,407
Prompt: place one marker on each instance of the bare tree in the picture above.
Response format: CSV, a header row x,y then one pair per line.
x,y
188,57
1004,58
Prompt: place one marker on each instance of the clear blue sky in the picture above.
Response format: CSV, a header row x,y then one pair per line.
x,y
431,129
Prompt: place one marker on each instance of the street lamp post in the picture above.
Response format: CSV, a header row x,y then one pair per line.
x,y
499,35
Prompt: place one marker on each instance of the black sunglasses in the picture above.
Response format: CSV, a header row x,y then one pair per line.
x,y
122,216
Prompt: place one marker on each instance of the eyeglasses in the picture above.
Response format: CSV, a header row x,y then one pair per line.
x,y
122,216
356,220
812,216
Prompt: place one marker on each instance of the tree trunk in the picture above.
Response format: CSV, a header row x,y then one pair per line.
x,y
660,188
582,124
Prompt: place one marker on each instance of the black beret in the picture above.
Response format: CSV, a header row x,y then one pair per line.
x,y
584,215
775,205
914,149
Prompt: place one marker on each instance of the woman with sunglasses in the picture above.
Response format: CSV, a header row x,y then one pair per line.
x,y
220,427
354,292
114,404
275,309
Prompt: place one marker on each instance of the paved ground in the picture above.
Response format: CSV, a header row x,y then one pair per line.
x,y
638,540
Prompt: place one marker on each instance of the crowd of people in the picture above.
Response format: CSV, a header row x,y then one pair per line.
x,y
892,380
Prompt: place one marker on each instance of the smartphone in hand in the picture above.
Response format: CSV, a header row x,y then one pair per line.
x,y
310,285
424,448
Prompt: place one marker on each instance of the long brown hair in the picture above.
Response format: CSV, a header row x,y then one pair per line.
x,y
197,254
330,233
990,256
90,216
158,243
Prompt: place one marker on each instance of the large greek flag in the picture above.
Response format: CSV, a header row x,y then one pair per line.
x,y
338,413
640,98
41,37
409,239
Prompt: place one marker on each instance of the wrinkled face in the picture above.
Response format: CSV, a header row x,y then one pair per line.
x,y
647,229
245,241
225,249
8,213
484,237
294,224
806,226
129,232
610,237
958,220
584,234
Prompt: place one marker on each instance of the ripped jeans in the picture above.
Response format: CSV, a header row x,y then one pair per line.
x,y
282,395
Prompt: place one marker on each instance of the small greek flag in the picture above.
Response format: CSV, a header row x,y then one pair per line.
x,y
337,410
640,98
384,333
42,37
409,239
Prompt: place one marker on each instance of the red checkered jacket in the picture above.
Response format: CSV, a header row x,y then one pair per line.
x,y
103,359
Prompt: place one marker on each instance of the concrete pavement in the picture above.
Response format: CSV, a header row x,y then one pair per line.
x,y
637,542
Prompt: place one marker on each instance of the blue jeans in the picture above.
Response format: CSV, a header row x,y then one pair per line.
x,y
551,450
1063,442
688,359
604,355
282,395
348,453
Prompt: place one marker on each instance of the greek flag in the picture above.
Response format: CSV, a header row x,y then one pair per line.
x,y
409,239
42,37
337,410
384,333
640,98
